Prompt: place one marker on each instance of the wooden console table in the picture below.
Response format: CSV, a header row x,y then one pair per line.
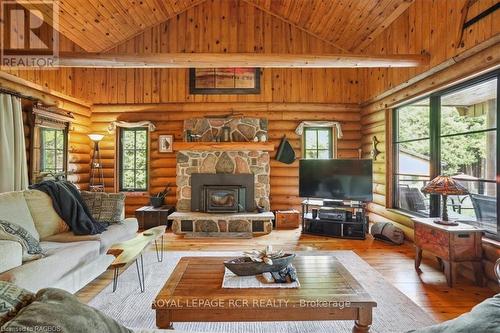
x,y
452,245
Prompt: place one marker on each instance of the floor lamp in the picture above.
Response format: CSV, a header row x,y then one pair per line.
x,y
96,172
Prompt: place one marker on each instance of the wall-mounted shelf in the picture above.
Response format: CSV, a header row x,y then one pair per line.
x,y
223,146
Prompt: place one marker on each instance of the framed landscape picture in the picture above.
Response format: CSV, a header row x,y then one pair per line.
x,y
165,143
211,81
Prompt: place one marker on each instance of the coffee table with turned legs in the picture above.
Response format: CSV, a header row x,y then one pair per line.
x,y
131,251
194,293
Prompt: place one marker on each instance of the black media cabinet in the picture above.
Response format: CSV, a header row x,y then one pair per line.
x,y
351,229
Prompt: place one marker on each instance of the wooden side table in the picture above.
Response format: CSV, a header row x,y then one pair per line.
x,y
150,217
452,245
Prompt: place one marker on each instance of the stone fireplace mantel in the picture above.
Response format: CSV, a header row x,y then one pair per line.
x,y
223,146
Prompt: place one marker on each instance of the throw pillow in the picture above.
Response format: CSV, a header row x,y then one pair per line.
x,y
59,311
13,207
12,299
47,222
13,232
105,207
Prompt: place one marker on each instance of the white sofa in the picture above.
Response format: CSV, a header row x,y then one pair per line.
x,y
71,261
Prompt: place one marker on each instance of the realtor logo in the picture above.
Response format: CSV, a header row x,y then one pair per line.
x,y
29,34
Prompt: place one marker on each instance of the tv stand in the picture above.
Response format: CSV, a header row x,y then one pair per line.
x,y
355,228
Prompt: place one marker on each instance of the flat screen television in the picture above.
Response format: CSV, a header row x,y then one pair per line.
x,y
338,179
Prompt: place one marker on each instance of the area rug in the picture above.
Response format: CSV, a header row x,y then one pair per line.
x,y
394,312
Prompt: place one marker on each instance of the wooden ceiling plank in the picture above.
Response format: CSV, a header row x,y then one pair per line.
x,y
67,28
359,20
326,19
265,60
382,26
127,23
194,3
294,25
105,15
81,17
358,11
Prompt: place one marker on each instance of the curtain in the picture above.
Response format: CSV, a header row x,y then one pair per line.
x,y
13,164
300,129
113,125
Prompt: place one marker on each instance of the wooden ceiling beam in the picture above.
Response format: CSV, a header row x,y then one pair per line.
x,y
264,60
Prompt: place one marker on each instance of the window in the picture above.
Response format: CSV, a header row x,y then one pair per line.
x,y
133,159
48,143
412,149
52,150
453,132
318,143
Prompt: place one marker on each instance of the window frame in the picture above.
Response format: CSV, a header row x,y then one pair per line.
x,y
435,137
122,132
55,149
331,144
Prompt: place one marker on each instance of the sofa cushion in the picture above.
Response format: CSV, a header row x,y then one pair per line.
x,y
105,207
12,299
61,311
60,260
69,237
119,232
12,255
13,208
116,232
46,220
13,232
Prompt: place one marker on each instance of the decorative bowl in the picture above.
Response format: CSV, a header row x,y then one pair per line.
x,y
244,266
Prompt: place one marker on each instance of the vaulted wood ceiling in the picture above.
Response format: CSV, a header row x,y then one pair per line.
x,y
98,25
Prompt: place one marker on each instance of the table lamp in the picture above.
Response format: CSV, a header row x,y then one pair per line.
x,y
445,185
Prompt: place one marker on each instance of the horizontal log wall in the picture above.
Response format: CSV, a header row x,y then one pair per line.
x,y
283,119
427,26
78,141
220,27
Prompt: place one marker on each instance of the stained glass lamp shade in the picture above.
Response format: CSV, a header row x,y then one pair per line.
x,y
444,185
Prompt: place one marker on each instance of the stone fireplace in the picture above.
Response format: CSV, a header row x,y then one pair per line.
x,y
219,191
212,163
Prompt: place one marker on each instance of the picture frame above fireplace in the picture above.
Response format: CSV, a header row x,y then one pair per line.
x,y
232,81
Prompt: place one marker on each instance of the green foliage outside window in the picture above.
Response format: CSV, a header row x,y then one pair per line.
x,y
52,150
134,159
317,143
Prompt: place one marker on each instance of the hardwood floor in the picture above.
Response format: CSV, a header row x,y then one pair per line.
x,y
428,289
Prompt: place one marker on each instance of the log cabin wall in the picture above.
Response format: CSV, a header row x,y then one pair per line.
x,y
168,118
162,96
382,89
78,141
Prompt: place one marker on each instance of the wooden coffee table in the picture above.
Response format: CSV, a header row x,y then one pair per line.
x,y
194,293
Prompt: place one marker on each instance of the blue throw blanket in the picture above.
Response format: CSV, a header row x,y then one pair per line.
x,y
70,206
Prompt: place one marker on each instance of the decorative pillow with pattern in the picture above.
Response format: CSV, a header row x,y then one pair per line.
x,y
13,232
12,299
105,207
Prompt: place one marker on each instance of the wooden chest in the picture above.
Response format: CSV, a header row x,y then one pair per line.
x,y
149,216
287,219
